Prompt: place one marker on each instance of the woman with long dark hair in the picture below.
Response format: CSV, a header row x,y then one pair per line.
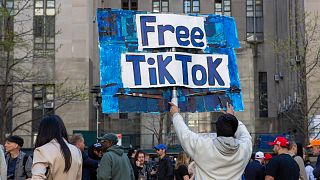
x,y
54,157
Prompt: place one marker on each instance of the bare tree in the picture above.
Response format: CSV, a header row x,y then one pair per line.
x,y
155,124
302,54
22,66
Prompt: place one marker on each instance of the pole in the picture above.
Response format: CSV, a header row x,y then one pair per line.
x,y
97,107
97,120
174,98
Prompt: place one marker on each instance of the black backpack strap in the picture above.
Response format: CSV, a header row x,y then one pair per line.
x,y
24,162
25,159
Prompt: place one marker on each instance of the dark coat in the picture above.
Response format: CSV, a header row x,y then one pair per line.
x,y
254,171
89,167
165,169
316,171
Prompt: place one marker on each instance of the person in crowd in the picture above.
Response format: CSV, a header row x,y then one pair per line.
x,y
54,157
146,157
152,168
18,163
149,163
95,151
282,166
140,167
131,154
267,158
89,166
3,165
315,145
114,163
255,169
309,170
221,157
165,168
293,151
181,168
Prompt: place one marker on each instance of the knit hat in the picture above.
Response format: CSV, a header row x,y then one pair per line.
x,y
16,139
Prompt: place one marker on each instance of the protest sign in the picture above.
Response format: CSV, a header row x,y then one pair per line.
x,y
147,70
135,59
170,30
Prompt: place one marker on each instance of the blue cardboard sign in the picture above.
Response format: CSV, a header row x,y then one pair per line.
x,y
122,52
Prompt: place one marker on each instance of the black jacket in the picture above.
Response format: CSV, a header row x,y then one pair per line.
x,y
165,169
254,171
141,170
89,167
316,171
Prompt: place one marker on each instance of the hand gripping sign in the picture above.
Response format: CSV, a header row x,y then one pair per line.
x,y
134,58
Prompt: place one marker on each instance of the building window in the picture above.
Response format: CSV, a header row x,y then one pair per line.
x,y
254,10
129,4
191,6
44,27
8,4
263,94
42,103
222,7
6,21
160,6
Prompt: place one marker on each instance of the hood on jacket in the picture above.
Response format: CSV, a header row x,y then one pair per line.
x,y
116,149
226,145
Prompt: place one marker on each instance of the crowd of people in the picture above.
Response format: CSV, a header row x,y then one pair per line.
x,y
227,156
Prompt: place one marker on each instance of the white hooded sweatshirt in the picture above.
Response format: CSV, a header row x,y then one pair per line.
x,y
221,158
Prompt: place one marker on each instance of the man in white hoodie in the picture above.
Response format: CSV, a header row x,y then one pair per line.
x,y
224,157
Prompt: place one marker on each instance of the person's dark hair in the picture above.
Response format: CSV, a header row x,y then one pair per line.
x,y
137,154
16,139
300,150
307,162
130,152
226,125
52,127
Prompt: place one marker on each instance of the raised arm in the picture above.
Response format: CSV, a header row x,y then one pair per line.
x,y
187,138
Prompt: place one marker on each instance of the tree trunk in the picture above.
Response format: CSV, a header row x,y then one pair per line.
x,y
161,123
